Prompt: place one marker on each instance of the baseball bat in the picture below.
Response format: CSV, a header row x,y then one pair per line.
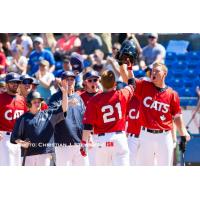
x,y
25,153
182,159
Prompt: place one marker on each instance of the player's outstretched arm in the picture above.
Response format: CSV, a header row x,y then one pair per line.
x,y
64,89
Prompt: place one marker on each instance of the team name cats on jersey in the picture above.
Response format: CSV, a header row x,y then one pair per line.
x,y
156,105
10,115
133,114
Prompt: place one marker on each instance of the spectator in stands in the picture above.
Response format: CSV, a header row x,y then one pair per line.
x,y
39,53
49,41
18,63
46,79
2,61
5,40
106,40
152,53
90,43
25,41
76,61
112,64
69,43
98,61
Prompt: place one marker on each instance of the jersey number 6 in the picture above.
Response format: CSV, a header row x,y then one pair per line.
x,y
108,111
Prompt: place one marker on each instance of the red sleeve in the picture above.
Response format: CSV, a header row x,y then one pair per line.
x,y
128,92
89,116
138,89
175,104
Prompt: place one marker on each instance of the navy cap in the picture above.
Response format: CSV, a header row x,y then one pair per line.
x,y
12,77
25,77
90,75
77,62
67,74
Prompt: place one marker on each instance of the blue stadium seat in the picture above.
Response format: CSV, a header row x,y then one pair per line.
x,y
177,83
193,56
178,74
180,65
184,102
177,46
182,57
189,83
193,65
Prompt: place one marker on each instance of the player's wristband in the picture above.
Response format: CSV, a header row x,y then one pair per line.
x,y
83,142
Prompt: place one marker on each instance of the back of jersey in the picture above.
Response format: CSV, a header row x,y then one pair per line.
x,y
106,111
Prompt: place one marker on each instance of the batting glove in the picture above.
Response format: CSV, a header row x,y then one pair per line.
x,y
182,145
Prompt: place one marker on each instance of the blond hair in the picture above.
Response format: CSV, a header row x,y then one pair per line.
x,y
163,66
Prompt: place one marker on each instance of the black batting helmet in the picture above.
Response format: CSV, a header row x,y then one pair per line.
x,y
33,95
129,49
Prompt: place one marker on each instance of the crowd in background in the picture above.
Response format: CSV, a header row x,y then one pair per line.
x,y
46,56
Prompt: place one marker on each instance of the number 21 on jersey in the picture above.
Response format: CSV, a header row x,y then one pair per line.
x,y
109,111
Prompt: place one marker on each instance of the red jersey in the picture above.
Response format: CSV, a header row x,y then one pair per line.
x,y
86,96
67,45
157,108
11,108
106,111
133,120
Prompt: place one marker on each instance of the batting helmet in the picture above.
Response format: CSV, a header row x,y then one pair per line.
x,y
33,95
12,77
129,49
90,75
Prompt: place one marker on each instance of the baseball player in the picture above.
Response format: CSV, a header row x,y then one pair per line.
x,y
105,116
33,131
68,132
25,85
133,129
91,82
160,105
12,106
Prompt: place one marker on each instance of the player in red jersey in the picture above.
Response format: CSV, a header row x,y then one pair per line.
x,y
160,106
91,81
106,115
12,106
133,129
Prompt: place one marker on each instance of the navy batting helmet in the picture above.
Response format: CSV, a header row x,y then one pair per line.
x,y
90,75
33,95
12,77
129,49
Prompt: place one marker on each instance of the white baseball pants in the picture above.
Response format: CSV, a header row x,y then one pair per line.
x,y
111,149
155,149
133,144
38,160
10,154
70,156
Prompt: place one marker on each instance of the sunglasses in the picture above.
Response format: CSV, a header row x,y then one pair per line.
x,y
36,102
27,81
92,80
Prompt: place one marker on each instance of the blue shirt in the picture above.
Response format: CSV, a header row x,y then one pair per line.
x,y
38,129
35,57
69,131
